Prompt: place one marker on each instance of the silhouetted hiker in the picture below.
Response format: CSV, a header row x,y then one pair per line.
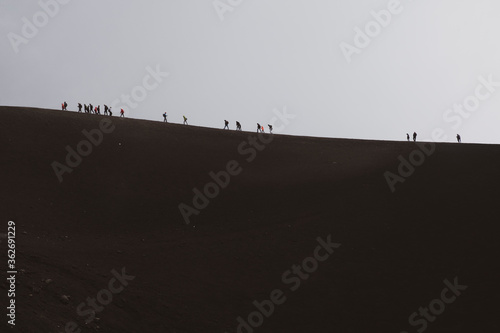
x,y
106,110
110,113
91,108
122,113
185,120
62,106
414,136
98,109
259,128
262,129
408,137
226,124
270,128
165,117
79,107
86,108
459,139
238,126
65,106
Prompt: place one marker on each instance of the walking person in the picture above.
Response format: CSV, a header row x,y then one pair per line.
x,y
408,137
110,113
414,136
238,126
270,128
165,117
105,110
259,128
226,126
459,139
185,120
122,113
79,107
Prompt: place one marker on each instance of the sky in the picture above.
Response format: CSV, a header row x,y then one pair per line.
x,y
339,68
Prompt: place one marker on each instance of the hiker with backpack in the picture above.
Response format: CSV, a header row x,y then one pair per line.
x,y
122,113
238,126
165,117
79,107
226,124
259,128
270,128
185,120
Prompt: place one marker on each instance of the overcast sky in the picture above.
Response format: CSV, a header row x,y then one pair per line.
x,y
240,60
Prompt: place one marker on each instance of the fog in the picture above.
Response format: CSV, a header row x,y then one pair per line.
x,y
349,69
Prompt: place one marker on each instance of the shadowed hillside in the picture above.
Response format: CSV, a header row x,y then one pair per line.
x,y
119,208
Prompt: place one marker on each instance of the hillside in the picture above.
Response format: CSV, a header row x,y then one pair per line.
x,y
119,208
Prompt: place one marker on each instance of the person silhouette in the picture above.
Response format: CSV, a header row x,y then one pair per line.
x,y
122,113
165,117
238,126
226,124
106,110
414,136
459,139
185,120
79,107
270,128
259,128
110,113
408,137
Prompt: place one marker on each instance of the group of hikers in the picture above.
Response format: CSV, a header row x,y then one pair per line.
x,y
459,138
90,109
260,129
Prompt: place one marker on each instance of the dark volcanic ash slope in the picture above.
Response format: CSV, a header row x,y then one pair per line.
x,y
119,209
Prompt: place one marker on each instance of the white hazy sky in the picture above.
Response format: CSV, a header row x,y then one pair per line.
x,y
264,55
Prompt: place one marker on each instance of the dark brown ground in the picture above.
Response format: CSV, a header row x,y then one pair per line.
x,y
119,208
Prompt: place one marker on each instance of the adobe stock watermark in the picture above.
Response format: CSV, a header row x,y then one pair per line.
x,y
292,279
421,319
151,81
453,116
219,181
372,29
484,90
222,7
408,166
31,28
104,297
84,148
